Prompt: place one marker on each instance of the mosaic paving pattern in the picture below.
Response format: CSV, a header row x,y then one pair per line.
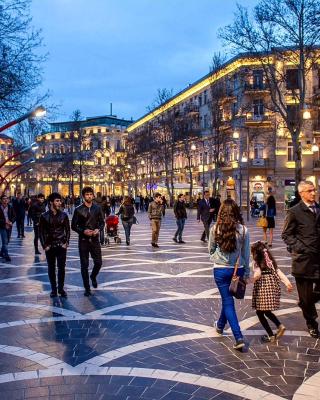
x,y
147,333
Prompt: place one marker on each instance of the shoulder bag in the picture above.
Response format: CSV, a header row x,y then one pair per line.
x,y
238,285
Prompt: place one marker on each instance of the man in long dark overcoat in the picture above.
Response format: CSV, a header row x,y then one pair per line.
x,y
301,233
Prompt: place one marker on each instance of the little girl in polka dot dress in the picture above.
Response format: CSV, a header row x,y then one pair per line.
x,y
266,290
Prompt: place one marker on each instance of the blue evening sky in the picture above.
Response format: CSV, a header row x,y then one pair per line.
x,y
122,51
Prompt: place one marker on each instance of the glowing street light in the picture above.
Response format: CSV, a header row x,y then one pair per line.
x,y
236,135
36,113
314,147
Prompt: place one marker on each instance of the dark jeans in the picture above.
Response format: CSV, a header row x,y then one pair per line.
x,y
180,224
5,237
307,300
222,277
29,220
205,234
20,225
127,225
89,247
58,254
137,205
263,320
36,235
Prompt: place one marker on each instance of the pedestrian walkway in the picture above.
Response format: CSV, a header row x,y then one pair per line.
x,y
147,333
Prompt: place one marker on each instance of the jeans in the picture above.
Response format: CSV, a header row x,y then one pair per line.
x,y
180,225
89,246
60,254
127,228
5,236
20,225
222,277
36,235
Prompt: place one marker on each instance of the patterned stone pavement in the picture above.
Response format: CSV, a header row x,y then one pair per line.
x,y
147,333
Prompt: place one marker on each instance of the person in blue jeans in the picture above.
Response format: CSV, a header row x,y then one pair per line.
x,y
180,212
228,242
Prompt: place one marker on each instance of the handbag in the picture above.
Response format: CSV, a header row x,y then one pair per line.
x,y
134,220
238,285
262,221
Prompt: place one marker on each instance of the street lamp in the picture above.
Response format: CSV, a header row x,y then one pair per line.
x,y
193,147
306,113
16,175
36,113
236,135
314,147
30,161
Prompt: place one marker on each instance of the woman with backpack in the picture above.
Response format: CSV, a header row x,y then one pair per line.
x,y
126,213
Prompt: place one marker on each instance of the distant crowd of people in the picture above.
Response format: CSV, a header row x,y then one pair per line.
x,y
224,231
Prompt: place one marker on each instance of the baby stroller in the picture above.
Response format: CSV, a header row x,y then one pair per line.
x,y
111,229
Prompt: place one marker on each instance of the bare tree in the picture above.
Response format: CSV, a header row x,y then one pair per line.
x,y
280,33
20,57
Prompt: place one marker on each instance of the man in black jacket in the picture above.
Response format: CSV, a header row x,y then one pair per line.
x,y
35,211
88,221
7,218
19,206
301,233
54,232
205,213
180,213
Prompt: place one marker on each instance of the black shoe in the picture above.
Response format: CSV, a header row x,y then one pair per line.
x,y
268,339
203,240
53,294
314,332
37,251
87,293
239,344
153,245
127,242
63,293
23,237
175,240
182,242
94,281
7,258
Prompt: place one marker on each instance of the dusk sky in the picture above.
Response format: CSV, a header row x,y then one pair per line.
x,y
122,51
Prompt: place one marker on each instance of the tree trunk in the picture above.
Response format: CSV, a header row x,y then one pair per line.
x,y
297,158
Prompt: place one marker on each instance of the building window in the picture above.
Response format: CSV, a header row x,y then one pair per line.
x,y
205,97
258,79
205,121
99,130
290,152
200,100
258,108
258,151
293,113
292,79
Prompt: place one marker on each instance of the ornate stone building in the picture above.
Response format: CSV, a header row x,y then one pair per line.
x,y
254,152
91,151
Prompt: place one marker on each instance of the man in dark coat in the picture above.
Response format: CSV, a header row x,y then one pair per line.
x,y
7,218
301,233
205,213
35,211
54,233
19,206
88,221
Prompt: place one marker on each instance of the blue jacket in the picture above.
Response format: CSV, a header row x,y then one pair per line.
x,y
221,259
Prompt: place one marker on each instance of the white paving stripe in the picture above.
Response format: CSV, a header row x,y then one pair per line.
x,y
57,310
220,385
39,358
309,389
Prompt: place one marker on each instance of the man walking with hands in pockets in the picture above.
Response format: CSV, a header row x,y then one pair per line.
x,y
88,221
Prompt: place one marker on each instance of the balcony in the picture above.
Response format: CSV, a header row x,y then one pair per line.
x,y
255,88
191,109
254,120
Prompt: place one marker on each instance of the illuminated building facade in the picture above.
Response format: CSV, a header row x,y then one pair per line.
x,y
257,152
92,150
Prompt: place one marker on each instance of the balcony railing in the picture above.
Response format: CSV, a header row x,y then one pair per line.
x,y
249,87
257,119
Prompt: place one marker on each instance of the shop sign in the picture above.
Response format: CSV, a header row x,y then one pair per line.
x,y
289,182
258,186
